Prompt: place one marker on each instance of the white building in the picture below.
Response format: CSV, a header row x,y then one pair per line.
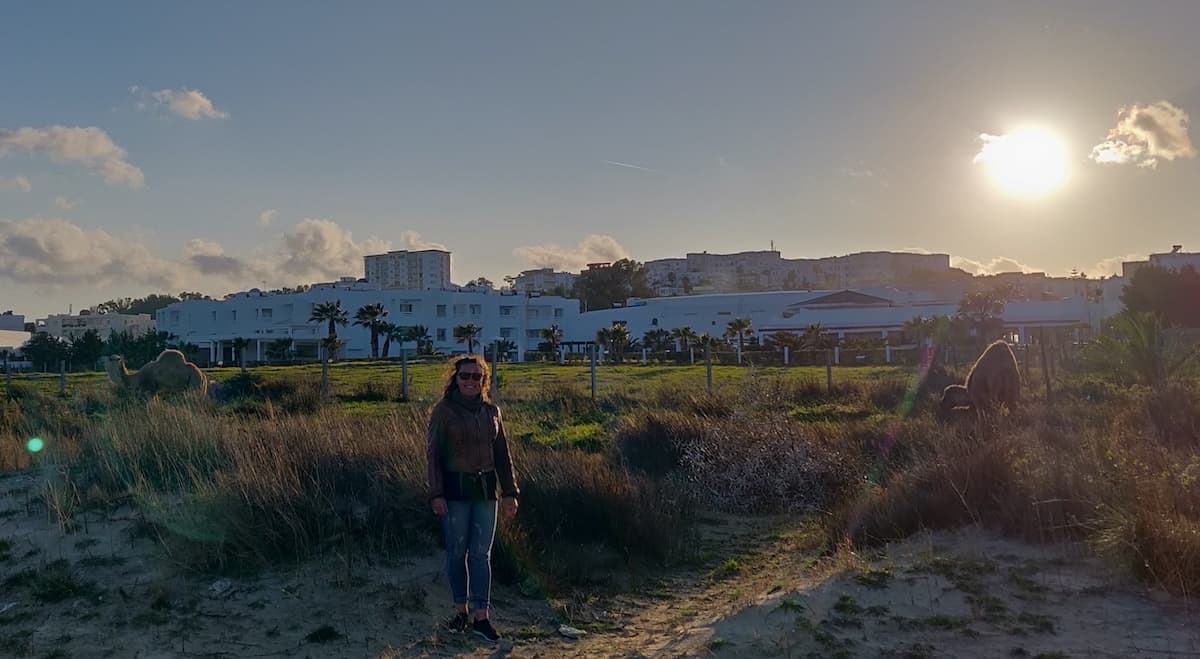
x,y
11,322
426,269
264,317
66,326
769,271
1176,259
543,280
871,311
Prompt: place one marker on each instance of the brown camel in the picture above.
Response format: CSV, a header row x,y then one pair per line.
x,y
170,372
993,380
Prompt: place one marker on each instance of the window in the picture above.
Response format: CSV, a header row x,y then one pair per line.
x,y
214,316
558,312
441,334
532,313
460,309
508,332
266,313
441,311
506,311
533,334
476,309
406,307
174,317
233,315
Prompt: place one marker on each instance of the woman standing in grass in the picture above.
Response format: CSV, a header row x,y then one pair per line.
x,y
468,461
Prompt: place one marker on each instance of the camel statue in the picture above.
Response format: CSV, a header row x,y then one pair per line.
x,y
170,372
993,380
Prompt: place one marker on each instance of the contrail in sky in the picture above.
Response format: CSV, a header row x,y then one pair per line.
x,y
629,165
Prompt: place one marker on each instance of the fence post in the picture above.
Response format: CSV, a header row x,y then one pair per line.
x,y
829,370
1045,364
593,354
403,374
643,356
739,354
62,378
692,355
887,354
708,365
324,379
787,361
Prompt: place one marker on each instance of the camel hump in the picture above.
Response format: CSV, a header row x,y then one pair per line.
x,y
171,355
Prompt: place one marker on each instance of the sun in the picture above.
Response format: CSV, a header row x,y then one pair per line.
x,y
1028,163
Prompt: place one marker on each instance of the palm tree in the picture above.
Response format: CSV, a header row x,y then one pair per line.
x,y
332,346
784,339
619,336
239,346
1137,348
332,313
657,340
279,349
505,347
553,335
685,336
420,334
815,338
393,332
371,317
739,327
468,334
604,337
984,311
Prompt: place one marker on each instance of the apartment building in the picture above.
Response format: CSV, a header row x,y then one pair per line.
x,y
264,317
543,280
425,269
1176,259
69,327
769,271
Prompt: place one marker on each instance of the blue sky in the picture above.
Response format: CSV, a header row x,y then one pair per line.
x,y
503,131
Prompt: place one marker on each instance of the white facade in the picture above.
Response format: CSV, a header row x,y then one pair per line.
x,y
866,311
768,271
543,280
1176,259
12,322
264,317
427,269
65,326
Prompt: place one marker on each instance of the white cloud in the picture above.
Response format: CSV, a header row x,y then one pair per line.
x,y
63,204
1112,265
266,217
187,103
51,253
90,147
592,249
1145,134
322,249
54,252
858,170
411,240
995,266
17,183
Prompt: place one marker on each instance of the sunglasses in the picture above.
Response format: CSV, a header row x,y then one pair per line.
x,y
470,376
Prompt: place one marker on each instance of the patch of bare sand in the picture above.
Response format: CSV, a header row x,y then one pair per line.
x,y
961,594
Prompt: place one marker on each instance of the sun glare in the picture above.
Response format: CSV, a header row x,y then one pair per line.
x,y
1026,163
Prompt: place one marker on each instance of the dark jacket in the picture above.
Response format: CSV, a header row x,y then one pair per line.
x,y
462,440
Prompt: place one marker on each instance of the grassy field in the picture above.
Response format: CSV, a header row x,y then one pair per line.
x,y
275,474
516,381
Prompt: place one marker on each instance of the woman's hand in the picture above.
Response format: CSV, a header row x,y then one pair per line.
x,y
509,507
439,506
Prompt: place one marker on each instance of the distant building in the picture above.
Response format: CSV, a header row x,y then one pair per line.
x,y
66,326
264,317
543,280
426,269
1176,259
769,271
12,322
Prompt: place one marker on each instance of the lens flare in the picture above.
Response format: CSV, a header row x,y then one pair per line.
x,y
35,445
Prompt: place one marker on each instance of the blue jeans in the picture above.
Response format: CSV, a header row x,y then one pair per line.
x,y
470,527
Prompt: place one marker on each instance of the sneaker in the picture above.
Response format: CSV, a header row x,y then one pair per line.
x,y
485,630
458,623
